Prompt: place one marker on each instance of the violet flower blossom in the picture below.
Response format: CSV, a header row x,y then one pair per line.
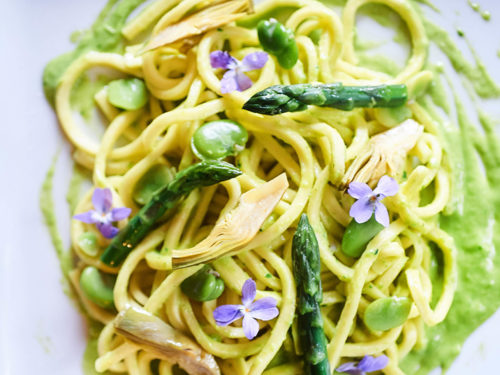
x,y
369,201
235,78
262,309
103,216
367,364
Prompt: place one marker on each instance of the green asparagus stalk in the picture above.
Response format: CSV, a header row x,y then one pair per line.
x,y
306,269
205,173
293,98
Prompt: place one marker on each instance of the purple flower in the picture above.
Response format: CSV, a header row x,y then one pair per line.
x,y
262,309
368,201
103,216
367,364
234,78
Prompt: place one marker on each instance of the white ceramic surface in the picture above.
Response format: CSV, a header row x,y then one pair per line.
x,y
40,331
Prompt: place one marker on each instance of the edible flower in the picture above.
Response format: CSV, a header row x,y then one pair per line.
x,y
235,78
103,216
367,364
263,309
369,201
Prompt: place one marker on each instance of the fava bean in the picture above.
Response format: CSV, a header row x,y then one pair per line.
x,y
218,139
97,287
278,40
204,285
387,313
357,236
155,178
128,93
88,243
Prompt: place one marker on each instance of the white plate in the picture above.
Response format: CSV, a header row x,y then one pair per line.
x,y
40,331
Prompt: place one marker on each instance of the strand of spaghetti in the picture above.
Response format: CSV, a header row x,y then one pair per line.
x,y
372,347
354,289
111,135
409,16
334,265
330,43
70,76
287,311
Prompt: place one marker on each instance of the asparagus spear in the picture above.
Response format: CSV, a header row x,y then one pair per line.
x,y
205,173
292,98
306,269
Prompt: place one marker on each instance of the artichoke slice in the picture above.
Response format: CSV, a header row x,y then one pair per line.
x,y
156,336
215,15
384,153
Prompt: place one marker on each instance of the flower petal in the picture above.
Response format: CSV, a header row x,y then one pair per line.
x,y
359,190
349,368
361,210
263,303
243,81
102,199
250,327
222,60
228,82
370,364
248,292
254,60
89,217
226,314
265,314
120,213
381,214
386,187
107,230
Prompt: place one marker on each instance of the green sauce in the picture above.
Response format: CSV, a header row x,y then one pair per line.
x,y
48,212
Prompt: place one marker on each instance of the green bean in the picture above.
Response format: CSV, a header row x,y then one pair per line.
x,y
218,139
97,287
387,313
278,40
128,93
155,178
357,235
204,285
88,243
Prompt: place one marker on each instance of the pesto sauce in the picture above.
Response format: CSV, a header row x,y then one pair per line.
x,y
48,212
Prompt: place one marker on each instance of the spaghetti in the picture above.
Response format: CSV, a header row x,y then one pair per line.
x,y
313,148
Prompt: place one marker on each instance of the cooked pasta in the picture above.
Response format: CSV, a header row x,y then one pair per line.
x,y
320,151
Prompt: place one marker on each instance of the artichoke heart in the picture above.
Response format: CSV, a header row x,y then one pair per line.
x,y
156,336
233,231
384,153
218,14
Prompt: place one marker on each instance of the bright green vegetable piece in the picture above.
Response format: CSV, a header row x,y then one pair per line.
x,y
155,178
357,236
128,93
218,139
292,98
88,243
278,40
205,173
306,270
97,287
289,57
204,285
387,313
